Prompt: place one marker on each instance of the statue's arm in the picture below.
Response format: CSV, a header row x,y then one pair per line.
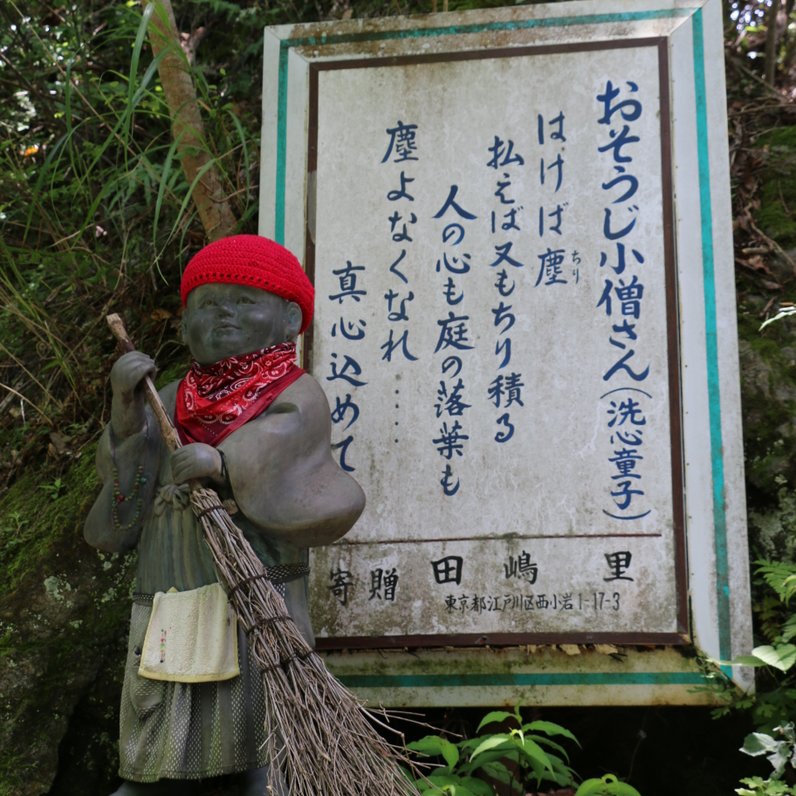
x,y
283,476
128,470
127,460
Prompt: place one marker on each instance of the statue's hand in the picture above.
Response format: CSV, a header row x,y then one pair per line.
x,y
129,371
195,461
127,377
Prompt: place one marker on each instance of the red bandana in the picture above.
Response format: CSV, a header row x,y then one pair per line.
x,y
215,400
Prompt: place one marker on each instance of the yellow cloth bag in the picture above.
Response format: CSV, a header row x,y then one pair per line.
x,y
191,637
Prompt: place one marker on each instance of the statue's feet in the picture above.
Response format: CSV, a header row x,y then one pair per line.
x,y
147,789
248,783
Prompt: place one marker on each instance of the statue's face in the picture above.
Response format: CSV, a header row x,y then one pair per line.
x,y
222,320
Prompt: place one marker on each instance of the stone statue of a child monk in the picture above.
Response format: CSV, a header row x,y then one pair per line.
x,y
256,428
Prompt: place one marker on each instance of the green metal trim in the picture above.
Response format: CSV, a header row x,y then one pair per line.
x,y
281,149
488,27
567,679
712,353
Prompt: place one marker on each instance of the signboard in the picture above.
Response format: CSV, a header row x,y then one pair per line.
x,y
513,221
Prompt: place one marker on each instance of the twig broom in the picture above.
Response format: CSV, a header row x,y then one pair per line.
x,y
319,736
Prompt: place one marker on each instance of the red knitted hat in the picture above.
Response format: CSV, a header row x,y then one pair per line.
x,y
253,261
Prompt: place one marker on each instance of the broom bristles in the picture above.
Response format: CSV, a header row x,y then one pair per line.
x,y
319,736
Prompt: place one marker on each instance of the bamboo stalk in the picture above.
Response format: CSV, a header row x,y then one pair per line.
x,y
201,171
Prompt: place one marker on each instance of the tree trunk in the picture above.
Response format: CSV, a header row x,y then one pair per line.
x,y
771,42
207,183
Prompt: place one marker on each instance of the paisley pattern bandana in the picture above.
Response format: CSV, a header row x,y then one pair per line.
x,y
215,400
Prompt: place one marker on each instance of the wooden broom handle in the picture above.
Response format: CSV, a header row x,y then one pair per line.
x,y
167,429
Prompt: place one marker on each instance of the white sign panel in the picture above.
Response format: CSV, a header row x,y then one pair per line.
x,y
492,333
490,222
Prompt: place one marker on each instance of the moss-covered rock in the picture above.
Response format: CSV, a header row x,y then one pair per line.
x,y
63,615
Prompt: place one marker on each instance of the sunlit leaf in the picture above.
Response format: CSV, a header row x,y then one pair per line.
x,y
758,743
434,745
494,716
535,752
491,742
549,728
781,657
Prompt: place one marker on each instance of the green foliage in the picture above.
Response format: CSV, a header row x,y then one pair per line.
x,y
94,208
517,757
781,577
772,709
777,622
775,702
778,191
779,748
758,38
522,754
771,527
757,786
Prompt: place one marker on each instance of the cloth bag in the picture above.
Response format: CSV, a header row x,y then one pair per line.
x,y
191,637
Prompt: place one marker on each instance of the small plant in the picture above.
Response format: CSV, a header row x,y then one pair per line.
x,y
523,754
16,522
54,488
11,535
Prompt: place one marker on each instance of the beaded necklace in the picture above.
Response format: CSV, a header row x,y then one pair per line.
x,y
119,498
